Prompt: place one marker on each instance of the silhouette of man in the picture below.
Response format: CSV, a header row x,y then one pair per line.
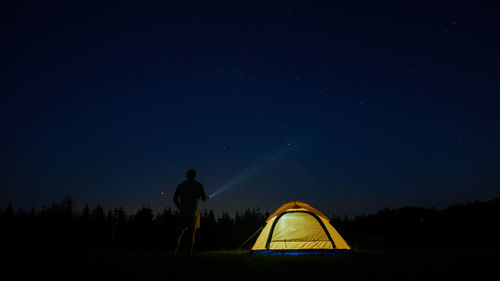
x,y
189,192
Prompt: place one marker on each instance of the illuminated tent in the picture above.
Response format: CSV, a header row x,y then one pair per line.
x,y
297,228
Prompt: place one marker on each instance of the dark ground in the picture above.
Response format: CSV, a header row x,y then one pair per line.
x,y
240,265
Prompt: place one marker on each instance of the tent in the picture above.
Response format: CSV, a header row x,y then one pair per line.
x,y
297,228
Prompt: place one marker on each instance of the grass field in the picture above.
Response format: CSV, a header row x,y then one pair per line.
x,y
240,265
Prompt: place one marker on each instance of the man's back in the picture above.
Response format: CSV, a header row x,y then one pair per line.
x,y
189,192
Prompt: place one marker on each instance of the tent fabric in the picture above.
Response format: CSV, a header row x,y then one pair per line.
x,y
295,205
299,226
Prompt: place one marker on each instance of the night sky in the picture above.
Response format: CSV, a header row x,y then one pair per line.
x,y
349,106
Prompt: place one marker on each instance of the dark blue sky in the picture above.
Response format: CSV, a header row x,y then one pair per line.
x,y
349,107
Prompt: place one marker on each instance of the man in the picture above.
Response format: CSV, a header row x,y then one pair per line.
x,y
189,192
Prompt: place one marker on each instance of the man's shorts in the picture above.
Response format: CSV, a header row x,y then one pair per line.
x,y
189,219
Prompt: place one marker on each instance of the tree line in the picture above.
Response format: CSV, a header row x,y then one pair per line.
x,y
59,226
462,226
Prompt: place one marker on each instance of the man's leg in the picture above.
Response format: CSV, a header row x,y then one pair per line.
x,y
192,242
179,240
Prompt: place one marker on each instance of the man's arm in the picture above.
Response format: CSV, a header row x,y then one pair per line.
x,y
204,194
176,198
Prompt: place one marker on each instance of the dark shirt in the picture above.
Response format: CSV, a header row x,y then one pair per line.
x,y
189,192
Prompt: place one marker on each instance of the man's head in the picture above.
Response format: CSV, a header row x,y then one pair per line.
x,y
191,174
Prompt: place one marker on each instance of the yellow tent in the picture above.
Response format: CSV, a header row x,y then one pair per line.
x,y
298,228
